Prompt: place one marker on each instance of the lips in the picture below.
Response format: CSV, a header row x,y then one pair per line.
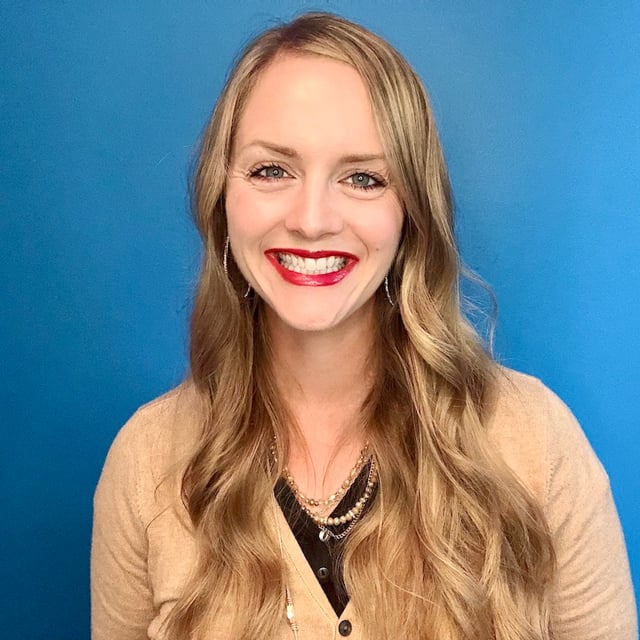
x,y
311,268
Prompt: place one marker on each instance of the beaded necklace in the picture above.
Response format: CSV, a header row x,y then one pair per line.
x,y
324,522
335,497
353,514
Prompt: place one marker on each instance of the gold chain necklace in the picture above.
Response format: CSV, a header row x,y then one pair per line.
x,y
335,497
353,514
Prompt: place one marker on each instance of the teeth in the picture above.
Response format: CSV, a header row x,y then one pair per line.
x,y
311,266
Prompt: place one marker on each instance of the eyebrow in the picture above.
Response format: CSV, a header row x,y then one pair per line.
x,y
289,152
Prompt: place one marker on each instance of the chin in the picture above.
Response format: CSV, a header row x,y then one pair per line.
x,y
320,317
307,322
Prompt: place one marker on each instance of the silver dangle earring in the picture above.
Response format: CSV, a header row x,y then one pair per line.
x,y
386,290
225,265
225,256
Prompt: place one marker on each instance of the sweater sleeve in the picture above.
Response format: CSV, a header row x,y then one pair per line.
x,y
121,599
593,597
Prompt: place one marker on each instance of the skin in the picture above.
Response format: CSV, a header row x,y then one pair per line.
x,y
305,147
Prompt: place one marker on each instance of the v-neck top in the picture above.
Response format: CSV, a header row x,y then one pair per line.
x,y
324,558
143,547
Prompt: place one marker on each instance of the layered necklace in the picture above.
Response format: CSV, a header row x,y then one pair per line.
x,y
314,507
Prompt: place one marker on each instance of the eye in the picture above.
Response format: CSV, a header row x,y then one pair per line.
x,y
364,180
268,172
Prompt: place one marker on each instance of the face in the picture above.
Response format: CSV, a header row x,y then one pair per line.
x,y
313,222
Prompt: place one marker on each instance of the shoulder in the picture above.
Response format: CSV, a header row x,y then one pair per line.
x,y
538,436
164,427
142,548
150,450
543,443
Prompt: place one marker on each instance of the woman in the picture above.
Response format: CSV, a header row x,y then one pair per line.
x,y
345,458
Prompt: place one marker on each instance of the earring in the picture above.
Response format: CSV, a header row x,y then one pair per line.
x,y
386,290
225,256
225,262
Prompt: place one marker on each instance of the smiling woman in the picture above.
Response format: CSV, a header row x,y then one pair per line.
x,y
306,185
345,458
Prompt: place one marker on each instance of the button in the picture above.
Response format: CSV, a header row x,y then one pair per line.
x,y
344,628
323,574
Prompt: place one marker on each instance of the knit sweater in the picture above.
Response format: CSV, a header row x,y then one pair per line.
x,y
143,550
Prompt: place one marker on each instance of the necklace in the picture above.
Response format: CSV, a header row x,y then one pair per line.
x,y
335,497
352,515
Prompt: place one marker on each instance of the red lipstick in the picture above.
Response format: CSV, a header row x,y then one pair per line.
x,y
309,280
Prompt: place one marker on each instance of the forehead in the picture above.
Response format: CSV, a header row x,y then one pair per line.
x,y
312,103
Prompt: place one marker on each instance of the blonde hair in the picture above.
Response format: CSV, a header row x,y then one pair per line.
x,y
453,546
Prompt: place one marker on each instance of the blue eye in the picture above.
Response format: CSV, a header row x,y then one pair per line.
x,y
268,172
364,180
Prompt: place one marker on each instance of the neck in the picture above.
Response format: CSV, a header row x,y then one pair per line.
x,y
323,378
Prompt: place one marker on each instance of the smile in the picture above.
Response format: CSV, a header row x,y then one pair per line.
x,y
311,268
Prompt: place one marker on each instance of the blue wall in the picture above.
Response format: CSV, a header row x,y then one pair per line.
x,y
100,106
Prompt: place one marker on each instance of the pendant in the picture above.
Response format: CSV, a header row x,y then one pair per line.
x,y
323,535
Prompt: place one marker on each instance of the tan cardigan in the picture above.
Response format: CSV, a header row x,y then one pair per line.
x,y
142,550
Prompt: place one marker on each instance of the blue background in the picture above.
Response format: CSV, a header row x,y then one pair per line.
x,y
100,107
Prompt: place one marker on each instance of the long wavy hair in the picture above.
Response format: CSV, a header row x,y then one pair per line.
x,y
453,546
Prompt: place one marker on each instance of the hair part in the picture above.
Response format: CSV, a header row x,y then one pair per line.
x,y
482,558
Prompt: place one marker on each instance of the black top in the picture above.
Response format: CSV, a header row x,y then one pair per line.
x,y
324,558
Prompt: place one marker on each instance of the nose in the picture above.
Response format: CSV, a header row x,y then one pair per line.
x,y
314,213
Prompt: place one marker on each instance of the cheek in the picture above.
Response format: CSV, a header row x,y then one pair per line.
x,y
247,215
382,230
239,211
